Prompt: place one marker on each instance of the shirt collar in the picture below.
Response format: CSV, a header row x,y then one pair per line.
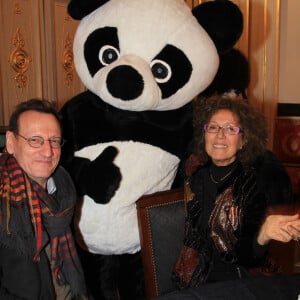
x,y
51,187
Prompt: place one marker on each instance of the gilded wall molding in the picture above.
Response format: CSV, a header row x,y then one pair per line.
x,y
17,9
19,59
68,60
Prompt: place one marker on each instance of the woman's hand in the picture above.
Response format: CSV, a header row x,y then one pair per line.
x,y
282,228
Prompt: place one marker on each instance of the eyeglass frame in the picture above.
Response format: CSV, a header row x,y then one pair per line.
x,y
238,129
42,140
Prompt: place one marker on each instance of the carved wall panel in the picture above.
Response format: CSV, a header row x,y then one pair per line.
x,y
36,58
263,53
66,81
20,59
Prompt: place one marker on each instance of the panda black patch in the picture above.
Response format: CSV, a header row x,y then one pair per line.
x,y
172,63
101,48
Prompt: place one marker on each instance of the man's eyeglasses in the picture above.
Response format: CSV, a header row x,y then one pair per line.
x,y
227,129
38,141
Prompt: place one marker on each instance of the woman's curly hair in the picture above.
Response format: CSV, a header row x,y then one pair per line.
x,y
253,125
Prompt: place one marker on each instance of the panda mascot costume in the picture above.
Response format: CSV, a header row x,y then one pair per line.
x,y
142,62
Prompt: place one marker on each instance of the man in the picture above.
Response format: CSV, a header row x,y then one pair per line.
x,y
38,259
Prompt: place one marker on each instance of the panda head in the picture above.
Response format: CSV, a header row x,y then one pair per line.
x,y
151,54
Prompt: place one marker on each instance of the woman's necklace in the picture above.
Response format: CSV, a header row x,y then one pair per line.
x,y
222,178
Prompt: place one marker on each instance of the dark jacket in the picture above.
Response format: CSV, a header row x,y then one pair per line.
x,y
20,276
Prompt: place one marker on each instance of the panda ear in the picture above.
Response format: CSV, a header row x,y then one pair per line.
x,y
78,9
222,20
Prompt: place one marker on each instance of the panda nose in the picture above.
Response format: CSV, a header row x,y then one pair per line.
x,y
125,83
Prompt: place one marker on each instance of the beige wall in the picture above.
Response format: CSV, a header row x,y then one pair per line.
x,y
289,59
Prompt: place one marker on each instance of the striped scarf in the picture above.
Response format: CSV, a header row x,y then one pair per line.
x,y
26,209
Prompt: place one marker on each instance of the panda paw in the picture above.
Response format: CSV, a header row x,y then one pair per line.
x,y
102,177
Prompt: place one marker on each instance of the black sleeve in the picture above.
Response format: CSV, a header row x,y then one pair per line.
x,y
273,188
274,181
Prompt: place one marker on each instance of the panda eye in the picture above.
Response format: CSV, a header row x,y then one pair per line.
x,y
161,70
108,54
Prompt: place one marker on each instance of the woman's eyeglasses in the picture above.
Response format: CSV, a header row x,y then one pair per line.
x,y
227,129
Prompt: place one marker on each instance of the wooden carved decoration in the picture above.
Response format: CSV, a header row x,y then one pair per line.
x,y
19,59
68,60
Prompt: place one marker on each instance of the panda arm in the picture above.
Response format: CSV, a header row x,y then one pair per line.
x,y
99,178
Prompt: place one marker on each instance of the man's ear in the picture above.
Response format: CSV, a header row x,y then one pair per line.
x,y
9,144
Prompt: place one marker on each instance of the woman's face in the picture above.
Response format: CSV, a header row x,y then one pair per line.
x,y
223,145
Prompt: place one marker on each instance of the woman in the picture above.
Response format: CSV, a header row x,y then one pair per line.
x,y
229,219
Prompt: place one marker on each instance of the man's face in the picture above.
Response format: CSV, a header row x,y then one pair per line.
x,y
38,163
